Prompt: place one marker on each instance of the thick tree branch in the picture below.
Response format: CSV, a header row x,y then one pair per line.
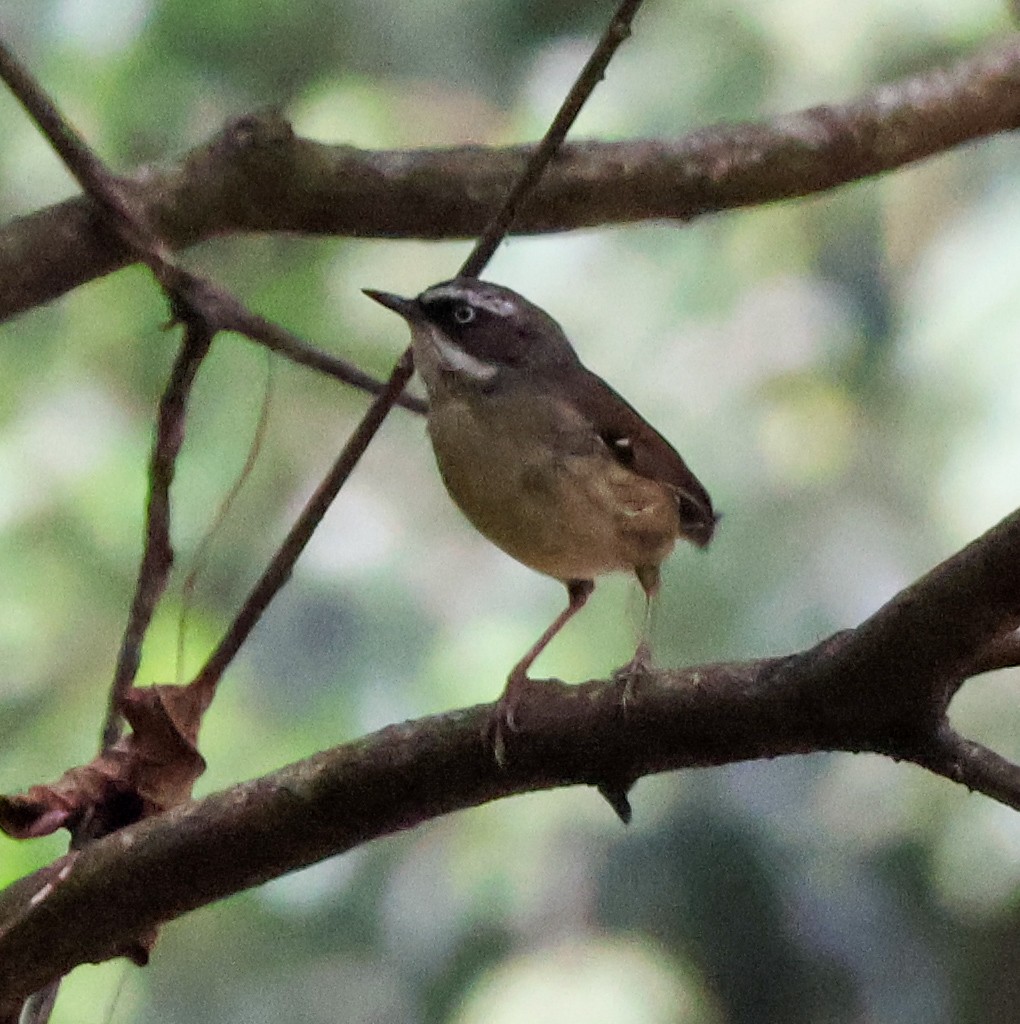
x,y
976,767
882,687
1002,652
256,176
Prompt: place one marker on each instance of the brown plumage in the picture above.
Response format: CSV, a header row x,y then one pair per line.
x,y
542,456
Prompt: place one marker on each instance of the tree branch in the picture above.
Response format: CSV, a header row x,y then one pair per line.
x,y
976,767
1002,652
257,176
882,687
158,553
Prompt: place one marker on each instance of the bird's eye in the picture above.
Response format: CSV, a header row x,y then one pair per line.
x,y
464,314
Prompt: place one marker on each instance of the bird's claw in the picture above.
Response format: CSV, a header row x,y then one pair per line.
x,y
504,720
626,676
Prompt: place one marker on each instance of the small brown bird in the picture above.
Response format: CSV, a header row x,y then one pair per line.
x,y
542,456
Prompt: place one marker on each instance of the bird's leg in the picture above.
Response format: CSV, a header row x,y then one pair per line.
x,y
643,653
628,674
578,591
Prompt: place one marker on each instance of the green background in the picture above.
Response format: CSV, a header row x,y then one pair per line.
x,y
840,371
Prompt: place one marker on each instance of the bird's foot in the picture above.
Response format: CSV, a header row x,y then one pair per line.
x,y
626,677
625,680
504,716
503,723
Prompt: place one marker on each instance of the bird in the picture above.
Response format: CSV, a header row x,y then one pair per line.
x,y
541,455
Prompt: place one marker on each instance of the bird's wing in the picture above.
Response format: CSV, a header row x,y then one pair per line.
x,y
641,448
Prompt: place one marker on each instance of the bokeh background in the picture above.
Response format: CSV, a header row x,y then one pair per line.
x,y
841,372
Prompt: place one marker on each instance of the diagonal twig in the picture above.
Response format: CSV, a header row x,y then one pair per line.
x,y
591,74
79,158
219,520
239,319
975,766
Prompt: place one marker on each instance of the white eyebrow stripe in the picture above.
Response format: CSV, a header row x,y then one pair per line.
x,y
455,358
461,293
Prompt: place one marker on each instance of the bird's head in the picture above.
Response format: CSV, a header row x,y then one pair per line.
x,y
473,331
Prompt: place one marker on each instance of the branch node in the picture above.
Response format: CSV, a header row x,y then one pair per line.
x,y
617,798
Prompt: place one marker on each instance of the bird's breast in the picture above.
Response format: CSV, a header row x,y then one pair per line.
x,y
536,480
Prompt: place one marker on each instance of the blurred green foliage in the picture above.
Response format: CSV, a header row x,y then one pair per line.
x,y
840,371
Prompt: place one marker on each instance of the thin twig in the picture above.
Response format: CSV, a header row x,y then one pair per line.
x,y
220,517
591,74
975,766
234,316
157,557
79,158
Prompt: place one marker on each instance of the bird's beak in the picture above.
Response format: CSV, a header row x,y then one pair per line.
x,y
407,308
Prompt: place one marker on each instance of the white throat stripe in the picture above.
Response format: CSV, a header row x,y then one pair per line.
x,y
456,359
